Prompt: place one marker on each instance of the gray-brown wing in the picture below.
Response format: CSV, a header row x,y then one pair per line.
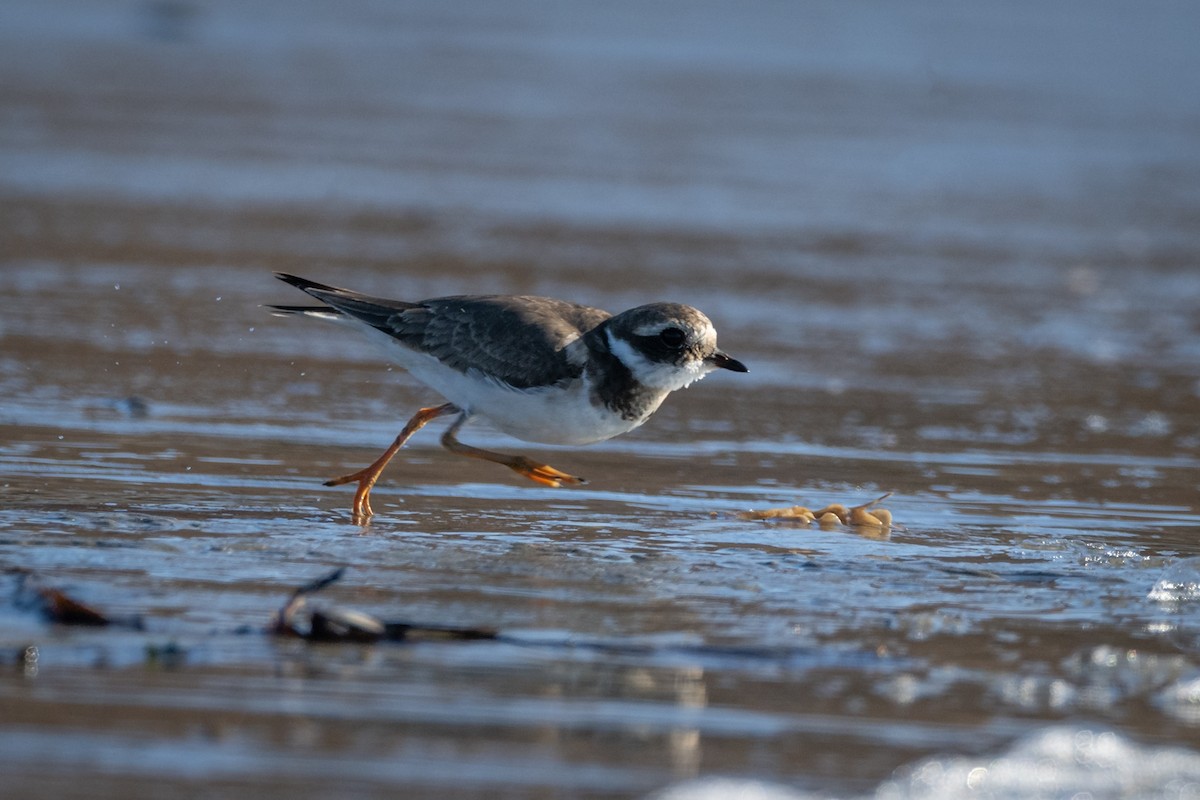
x,y
520,340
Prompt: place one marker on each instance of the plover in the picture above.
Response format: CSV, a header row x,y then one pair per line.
x,y
539,369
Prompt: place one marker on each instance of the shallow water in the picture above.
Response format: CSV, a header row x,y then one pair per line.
x,y
957,249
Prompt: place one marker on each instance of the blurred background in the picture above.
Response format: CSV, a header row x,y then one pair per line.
x,y
857,181
957,245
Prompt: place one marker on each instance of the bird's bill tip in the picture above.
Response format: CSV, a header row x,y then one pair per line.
x,y
724,361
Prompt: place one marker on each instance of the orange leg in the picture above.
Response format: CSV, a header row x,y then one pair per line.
x,y
541,473
366,477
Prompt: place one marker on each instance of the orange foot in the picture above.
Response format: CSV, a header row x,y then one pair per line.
x,y
542,473
365,478
361,511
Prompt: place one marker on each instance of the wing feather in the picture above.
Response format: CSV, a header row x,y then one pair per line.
x,y
520,340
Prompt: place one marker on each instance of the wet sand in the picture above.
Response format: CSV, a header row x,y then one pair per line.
x,y
957,248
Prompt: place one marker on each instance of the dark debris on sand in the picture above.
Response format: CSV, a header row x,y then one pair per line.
x,y
336,624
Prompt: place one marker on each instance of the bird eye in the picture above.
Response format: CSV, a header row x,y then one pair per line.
x,y
672,337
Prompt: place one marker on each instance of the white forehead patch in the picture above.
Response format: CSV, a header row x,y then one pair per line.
x,y
651,328
655,328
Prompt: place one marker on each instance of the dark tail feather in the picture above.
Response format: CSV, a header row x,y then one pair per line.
x,y
375,311
304,284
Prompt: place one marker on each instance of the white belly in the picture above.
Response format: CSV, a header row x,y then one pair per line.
x,y
547,416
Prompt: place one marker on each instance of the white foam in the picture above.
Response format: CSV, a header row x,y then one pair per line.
x,y
1179,583
1057,762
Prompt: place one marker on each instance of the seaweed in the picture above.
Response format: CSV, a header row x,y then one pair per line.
x,y
337,624
56,606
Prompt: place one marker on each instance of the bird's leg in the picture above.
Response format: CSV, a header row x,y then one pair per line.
x,y
541,473
366,477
